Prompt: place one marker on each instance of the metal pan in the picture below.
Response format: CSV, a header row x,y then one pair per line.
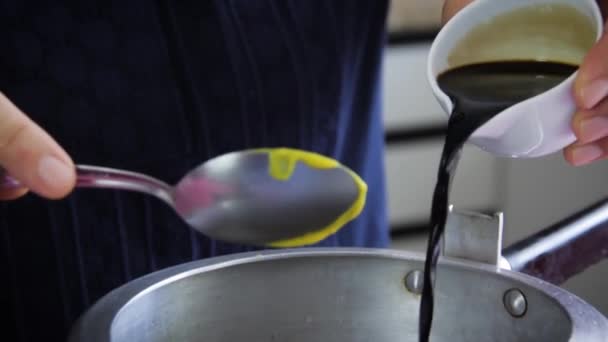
x,y
343,294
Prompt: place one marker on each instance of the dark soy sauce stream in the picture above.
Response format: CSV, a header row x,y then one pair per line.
x,y
479,92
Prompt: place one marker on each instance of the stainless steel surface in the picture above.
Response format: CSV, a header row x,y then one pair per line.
x,y
515,302
250,206
88,176
234,198
473,236
413,281
332,295
104,177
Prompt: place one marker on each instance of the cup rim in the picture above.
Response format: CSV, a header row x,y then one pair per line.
x,y
432,71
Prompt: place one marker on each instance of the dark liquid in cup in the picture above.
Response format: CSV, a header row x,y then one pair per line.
x,y
479,92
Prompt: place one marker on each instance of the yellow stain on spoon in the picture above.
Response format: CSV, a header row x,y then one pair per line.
x,y
282,163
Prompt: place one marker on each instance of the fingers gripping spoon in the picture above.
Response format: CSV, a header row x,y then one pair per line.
x,y
275,197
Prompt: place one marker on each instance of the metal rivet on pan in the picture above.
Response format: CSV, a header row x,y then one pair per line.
x,y
515,302
413,281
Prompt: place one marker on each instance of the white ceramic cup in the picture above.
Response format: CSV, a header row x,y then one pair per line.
x,y
542,124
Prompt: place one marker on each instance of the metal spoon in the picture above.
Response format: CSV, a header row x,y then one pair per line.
x,y
266,197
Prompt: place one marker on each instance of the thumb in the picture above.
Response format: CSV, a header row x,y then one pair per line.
x,y
31,156
591,85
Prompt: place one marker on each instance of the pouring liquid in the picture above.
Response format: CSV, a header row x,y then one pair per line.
x,y
479,92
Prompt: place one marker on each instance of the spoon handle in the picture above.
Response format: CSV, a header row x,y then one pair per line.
x,y
88,176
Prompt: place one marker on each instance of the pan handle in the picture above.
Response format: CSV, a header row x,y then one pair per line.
x,y
564,249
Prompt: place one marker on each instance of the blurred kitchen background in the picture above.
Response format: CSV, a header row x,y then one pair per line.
x,y
532,193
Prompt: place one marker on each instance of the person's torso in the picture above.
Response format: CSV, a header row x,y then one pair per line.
x,y
159,87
